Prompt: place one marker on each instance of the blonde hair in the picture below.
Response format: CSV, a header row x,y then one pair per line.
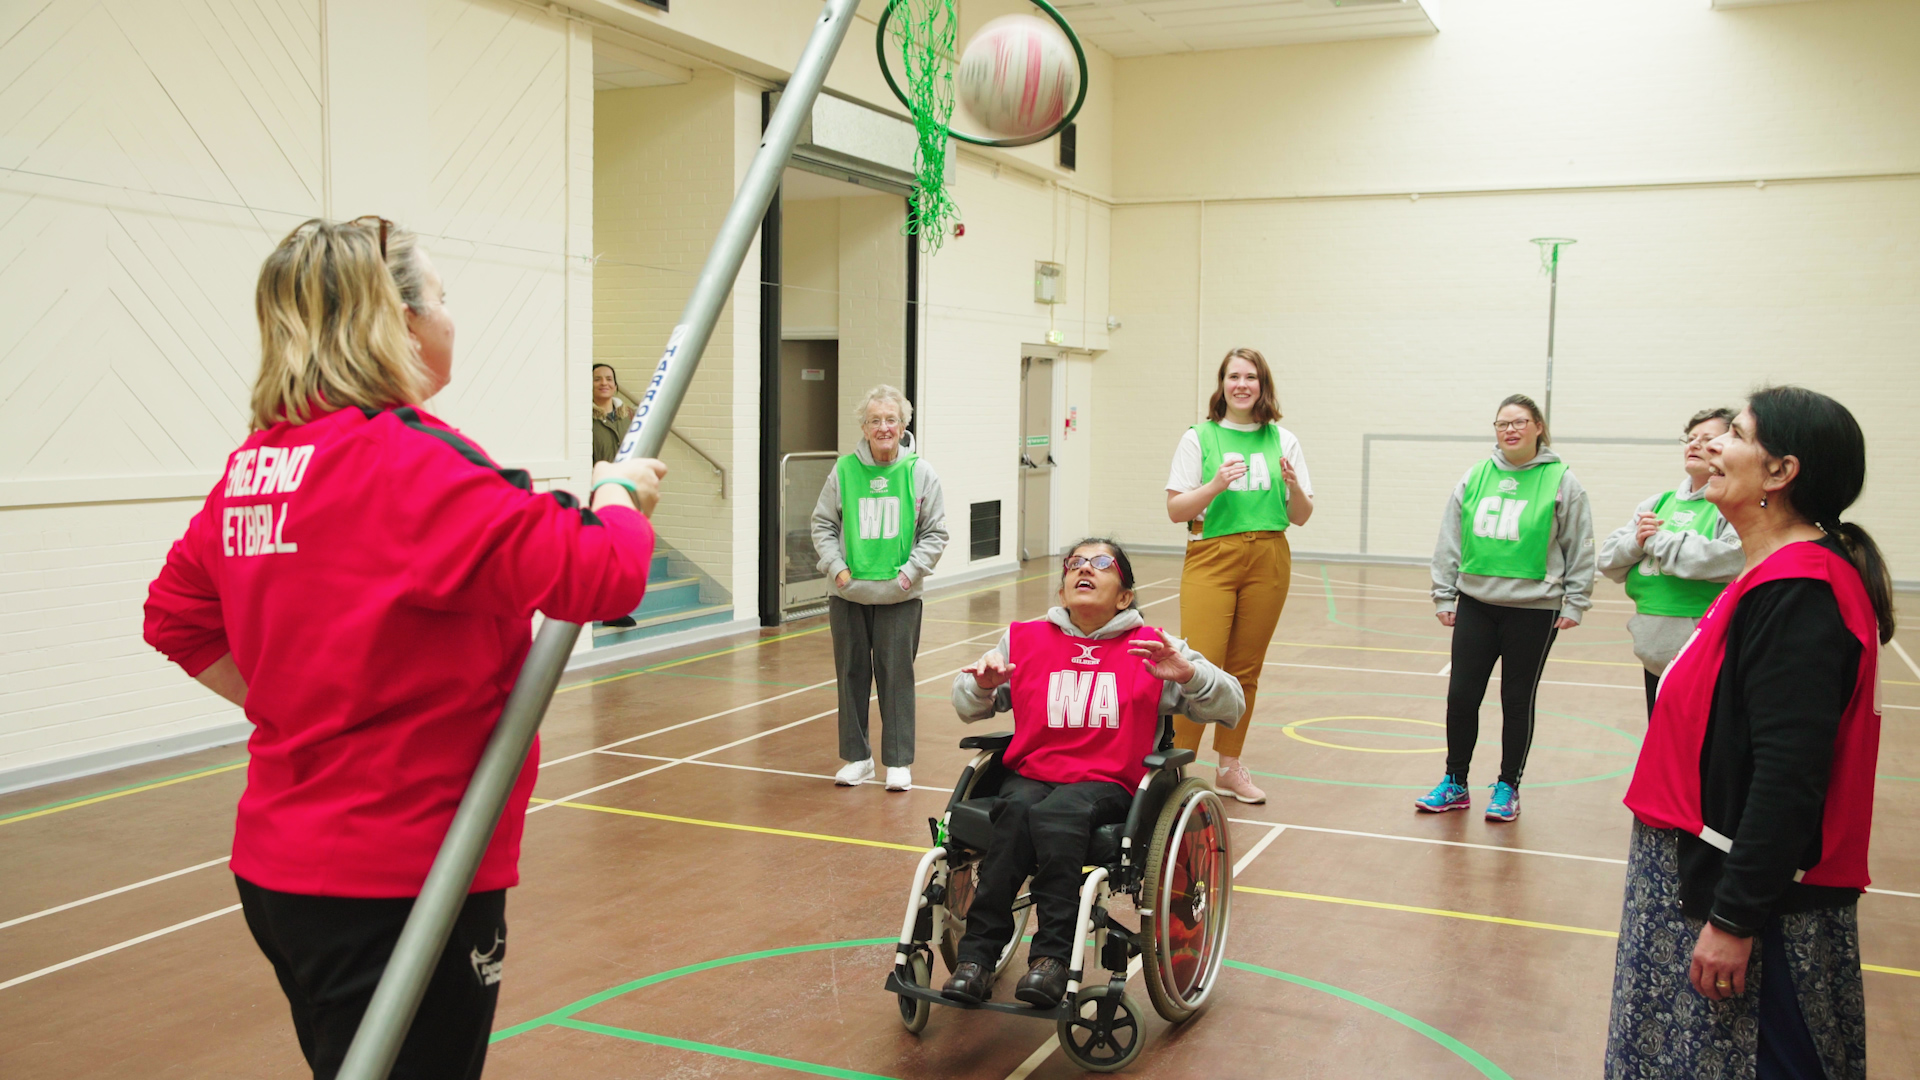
x,y
887,395
333,328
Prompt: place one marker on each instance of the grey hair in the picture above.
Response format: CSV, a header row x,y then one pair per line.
x,y
888,394
404,261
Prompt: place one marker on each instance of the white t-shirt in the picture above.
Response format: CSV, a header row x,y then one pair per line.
x,y
1187,472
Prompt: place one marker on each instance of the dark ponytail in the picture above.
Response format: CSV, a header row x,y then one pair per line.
x,y
1792,421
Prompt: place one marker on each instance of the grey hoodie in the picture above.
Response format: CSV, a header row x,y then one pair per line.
x,y
1211,696
1568,587
929,534
1657,639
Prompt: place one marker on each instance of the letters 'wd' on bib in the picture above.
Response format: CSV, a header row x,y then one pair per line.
x,y
1082,709
1506,520
1656,592
876,515
1257,502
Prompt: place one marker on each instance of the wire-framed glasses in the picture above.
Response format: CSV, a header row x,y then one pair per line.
x,y
1098,562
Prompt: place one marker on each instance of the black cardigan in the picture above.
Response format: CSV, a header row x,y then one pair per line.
x,y
1789,672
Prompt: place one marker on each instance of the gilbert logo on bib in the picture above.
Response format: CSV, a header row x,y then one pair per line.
x,y
1507,520
1089,655
877,526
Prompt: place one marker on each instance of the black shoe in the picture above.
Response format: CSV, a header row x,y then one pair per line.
x,y
1044,983
970,983
624,622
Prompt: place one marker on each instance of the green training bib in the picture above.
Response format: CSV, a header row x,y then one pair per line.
x,y
1506,520
876,515
1656,592
1257,502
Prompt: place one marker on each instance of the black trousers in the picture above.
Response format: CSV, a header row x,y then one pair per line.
x,y
1042,830
1653,688
1787,1050
1519,638
329,953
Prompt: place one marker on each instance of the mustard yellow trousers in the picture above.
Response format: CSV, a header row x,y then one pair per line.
x,y
1231,591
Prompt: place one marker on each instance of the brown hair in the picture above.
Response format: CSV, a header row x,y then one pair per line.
x,y
333,327
1265,410
1725,416
1526,403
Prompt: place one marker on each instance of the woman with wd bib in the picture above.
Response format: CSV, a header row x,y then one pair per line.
x,y
1512,568
1675,555
1752,800
1087,686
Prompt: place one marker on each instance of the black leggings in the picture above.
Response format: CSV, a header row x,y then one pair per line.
x,y
1517,637
1043,830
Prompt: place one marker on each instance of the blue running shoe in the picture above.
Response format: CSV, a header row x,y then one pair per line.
x,y
1445,796
1506,802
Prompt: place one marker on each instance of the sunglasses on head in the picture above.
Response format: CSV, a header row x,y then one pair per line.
x,y
375,221
1098,562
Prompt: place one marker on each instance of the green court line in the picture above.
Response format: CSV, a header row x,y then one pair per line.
x,y
1529,785
1443,738
1333,615
564,1016
1908,779
719,1051
1459,1049
124,789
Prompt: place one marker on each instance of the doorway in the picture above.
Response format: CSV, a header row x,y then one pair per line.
x,y
1036,457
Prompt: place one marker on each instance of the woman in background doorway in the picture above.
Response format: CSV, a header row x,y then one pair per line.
x,y
1239,480
1675,556
879,528
1512,568
611,416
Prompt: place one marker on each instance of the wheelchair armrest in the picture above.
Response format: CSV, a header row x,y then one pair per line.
x,y
1169,759
999,740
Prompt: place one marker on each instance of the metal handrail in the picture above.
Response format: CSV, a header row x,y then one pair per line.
x,y
804,455
704,456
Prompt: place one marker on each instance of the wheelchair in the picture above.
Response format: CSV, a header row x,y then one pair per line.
x,y
1171,857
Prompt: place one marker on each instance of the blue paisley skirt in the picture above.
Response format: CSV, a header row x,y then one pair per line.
x,y
1661,1028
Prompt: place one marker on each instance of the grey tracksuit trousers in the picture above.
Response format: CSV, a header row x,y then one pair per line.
x,y
875,643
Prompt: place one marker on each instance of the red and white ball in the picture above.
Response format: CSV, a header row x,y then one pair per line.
x,y
1018,76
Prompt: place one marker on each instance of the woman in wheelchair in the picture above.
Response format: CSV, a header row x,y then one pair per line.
x,y
1087,686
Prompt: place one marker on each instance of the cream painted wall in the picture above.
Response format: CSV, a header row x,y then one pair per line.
x,y
873,312
810,270
1389,315
156,152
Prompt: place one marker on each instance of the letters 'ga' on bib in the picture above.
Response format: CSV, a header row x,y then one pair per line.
x,y
876,515
1655,592
1257,502
1506,520
1083,709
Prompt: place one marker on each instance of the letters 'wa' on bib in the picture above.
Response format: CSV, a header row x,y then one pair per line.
x,y
1257,502
876,515
1506,520
1656,592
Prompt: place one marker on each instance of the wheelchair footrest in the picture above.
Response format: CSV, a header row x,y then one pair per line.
x,y
1016,1008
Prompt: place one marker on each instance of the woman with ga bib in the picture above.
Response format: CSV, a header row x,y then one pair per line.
x,y
1739,950
1238,480
1512,568
1675,555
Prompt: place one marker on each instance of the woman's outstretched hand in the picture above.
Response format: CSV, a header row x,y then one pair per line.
x,y
990,672
1162,659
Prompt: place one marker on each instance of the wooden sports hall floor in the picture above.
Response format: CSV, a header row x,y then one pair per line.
x,y
698,900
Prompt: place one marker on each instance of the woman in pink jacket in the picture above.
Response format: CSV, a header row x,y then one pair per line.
x,y
362,581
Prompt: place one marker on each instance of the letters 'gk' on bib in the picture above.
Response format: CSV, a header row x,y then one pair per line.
x,y
1506,521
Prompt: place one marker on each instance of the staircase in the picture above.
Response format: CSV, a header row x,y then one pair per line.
x,y
673,602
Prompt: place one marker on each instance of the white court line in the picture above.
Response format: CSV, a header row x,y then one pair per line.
x,y
1908,708
1445,669
876,781
64,964
1911,666
112,892
1432,675
1254,851
1401,588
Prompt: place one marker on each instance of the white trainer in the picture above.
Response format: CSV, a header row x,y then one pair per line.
x,y
899,778
854,772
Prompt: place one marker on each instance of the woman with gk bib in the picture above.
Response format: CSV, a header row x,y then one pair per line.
x,y
1512,568
1239,480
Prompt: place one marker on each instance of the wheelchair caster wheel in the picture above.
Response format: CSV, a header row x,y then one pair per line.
x,y
913,1011
1103,1034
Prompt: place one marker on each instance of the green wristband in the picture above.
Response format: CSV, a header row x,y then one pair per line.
x,y
632,492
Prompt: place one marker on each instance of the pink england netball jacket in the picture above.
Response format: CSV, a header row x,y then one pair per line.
x,y
373,575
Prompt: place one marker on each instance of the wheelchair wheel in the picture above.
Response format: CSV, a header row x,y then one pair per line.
x,y
1189,886
959,902
913,1011
1103,1034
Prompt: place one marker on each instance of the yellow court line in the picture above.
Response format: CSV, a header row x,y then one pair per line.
x,y
777,637
1442,652
1900,682
117,794
1475,917
736,828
